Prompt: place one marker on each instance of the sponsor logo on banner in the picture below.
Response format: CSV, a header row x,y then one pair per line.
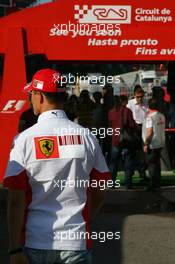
x,y
103,14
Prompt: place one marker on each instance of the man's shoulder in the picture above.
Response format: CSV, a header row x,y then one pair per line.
x,y
112,111
145,104
26,133
127,110
77,129
131,102
160,116
156,114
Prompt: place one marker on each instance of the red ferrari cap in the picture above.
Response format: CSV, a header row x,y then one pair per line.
x,y
46,80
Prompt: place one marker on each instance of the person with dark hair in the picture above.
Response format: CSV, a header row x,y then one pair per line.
x,y
71,107
108,104
26,120
98,115
158,93
153,134
108,98
138,89
85,108
97,96
115,121
171,124
138,106
139,109
123,100
49,175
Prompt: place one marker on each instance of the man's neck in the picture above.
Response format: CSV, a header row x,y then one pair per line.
x,y
51,107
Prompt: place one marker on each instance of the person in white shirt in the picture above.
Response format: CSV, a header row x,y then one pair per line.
x,y
139,109
49,175
138,105
153,134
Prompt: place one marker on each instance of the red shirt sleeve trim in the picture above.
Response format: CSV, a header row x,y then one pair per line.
x,y
17,182
97,175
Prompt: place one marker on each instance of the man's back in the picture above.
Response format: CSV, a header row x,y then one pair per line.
x,y
156,120
55,160
115,121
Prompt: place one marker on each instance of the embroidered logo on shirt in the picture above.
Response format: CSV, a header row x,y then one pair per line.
x,y
66,146
46,147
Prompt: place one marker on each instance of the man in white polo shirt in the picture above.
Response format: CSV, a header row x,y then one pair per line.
x,y
49,172
153,134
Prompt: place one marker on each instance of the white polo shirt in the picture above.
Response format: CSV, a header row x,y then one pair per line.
x,y
54,161
155,120
139,110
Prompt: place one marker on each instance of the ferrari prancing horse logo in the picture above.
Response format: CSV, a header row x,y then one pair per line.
x,y
46,146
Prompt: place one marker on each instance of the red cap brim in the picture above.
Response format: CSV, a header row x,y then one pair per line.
x,y
27,88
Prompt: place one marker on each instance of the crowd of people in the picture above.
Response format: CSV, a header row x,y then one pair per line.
x,y
106,110
137,116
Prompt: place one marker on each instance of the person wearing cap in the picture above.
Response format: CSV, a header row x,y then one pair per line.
x,y
49,174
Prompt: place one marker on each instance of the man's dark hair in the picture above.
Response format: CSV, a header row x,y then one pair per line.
x,y
97,97
56,98
138,89
123,98
153,104
116,101
107,86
